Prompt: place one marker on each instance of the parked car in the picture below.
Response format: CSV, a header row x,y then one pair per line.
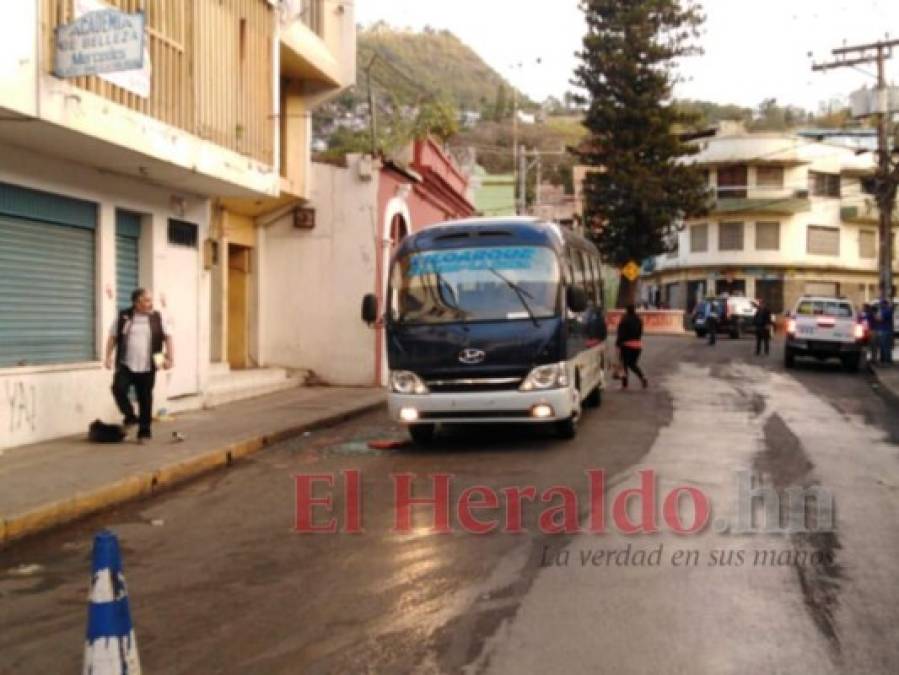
x,y
735,315
825,328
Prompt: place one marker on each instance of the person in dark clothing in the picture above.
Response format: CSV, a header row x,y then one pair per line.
x,y
886,331
869,317
136,340
630,344
762,322
711,322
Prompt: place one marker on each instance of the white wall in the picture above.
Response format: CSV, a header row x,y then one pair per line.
x,y
42,402
314,281
18,56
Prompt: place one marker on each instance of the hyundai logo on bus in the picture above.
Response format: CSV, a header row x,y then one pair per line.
x,y
472,357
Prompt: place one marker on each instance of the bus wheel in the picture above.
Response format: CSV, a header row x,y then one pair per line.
x,y
594,398
422,434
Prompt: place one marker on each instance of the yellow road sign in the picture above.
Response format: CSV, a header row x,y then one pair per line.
x,y
631,271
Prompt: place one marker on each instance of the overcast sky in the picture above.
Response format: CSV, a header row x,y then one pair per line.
x,y
754,49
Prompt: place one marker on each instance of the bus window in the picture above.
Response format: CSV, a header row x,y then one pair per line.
x,y
589,277
578,263
597,277
584,263
568,265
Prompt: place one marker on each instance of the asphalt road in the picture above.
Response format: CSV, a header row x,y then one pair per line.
x,y
219,581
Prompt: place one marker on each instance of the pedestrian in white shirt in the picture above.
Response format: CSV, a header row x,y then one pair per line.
x,y
136,339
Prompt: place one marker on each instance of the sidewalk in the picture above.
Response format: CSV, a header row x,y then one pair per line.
x,y
47,484
888,377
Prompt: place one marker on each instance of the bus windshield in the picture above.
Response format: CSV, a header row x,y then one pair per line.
x,y
475,284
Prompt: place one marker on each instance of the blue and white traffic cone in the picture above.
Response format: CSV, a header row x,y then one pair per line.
x,y
111,648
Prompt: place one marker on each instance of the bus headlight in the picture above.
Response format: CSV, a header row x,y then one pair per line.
x,y
550,376
406,382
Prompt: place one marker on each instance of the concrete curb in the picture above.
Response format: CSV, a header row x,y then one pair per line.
x,y
145,484
888,391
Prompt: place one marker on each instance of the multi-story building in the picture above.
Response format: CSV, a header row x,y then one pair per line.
x,y
789,215
159,176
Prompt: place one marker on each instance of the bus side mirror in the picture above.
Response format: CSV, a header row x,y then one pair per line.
x,y
370,308
577,299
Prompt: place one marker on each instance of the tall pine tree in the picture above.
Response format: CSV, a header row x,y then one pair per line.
x,y
639,191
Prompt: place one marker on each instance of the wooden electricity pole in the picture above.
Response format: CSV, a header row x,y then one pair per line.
x,y
887,175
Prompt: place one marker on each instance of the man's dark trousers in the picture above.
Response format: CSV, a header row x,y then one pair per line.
x,y
762,337
143,387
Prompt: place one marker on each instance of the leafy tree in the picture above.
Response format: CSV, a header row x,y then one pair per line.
x,y
640,190
501,105
438,118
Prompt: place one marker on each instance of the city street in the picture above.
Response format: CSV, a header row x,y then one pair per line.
x,y
219,581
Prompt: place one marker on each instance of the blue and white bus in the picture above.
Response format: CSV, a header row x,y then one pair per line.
x,y
493,320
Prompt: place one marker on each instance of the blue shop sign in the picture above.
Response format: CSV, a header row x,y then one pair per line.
x,y
105,41
472,260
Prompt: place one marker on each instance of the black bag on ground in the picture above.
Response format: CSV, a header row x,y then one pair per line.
x,y
100,432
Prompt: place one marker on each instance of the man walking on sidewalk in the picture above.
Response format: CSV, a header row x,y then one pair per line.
x,y
762,322
137,337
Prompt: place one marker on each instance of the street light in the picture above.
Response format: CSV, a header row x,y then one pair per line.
x,y
521,202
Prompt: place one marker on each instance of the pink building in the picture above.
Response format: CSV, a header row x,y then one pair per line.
x,y
428,189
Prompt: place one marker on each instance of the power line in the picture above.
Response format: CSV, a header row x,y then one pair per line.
x,y
887,174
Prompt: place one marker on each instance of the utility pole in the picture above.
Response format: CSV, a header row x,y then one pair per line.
x,y
522,182
887,178
372,113
515,159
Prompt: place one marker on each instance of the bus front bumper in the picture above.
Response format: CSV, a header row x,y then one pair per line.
x,y
483,407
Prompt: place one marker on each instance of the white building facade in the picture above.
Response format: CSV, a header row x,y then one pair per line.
x,y
789,216
105,188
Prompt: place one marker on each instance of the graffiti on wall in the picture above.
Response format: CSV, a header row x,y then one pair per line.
x,y
21,406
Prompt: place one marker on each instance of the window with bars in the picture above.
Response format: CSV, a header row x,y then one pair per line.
x,y
767,236
699,238
823,240
730,237
769,176
182,233
732,181
824,184
867,244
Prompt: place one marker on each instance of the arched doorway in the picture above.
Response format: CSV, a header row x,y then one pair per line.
x,y
397,226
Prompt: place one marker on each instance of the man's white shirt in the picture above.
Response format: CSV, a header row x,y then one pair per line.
x,y
139,336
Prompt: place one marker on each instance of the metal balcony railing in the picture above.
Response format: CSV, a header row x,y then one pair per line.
x,y
313,15
760,192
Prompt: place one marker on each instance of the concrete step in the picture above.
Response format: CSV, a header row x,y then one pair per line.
x,y
238,385
222,368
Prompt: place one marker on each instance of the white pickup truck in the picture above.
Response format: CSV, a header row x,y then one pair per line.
x,y
825,328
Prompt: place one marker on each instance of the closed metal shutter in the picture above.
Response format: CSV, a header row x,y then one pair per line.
x,y
47,278
823,240
867,247
826,289
767,237
730,237
699,238
127,239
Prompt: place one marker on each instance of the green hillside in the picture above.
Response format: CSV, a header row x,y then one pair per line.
x,y
411,66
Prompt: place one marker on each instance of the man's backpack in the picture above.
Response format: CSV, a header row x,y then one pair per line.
x,y
100,432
